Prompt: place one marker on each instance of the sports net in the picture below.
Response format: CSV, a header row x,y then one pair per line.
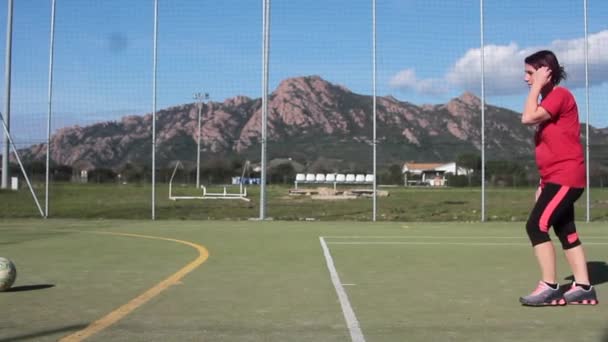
x,y
320,107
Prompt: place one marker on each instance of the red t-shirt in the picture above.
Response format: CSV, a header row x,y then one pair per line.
x,y
559,153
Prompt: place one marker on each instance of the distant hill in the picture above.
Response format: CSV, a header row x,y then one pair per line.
x,y
309,118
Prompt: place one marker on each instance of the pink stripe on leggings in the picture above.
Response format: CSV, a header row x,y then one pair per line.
x,y
544,218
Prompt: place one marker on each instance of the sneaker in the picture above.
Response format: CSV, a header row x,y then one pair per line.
x,y
544,295
578,295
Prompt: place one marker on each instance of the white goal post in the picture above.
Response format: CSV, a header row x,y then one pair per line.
x,y
241,195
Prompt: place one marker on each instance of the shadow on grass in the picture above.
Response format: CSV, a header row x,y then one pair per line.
x,y
43,333
598,272
30,287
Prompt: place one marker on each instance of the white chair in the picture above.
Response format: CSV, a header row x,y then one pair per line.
x,y
369,179
330,178
300,178
340,178
350,178
310,178
320,178
360,178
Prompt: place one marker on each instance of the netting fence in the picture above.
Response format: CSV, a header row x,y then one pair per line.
x,y
316,110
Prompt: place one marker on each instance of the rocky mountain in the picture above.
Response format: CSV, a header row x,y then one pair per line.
x,y
308,118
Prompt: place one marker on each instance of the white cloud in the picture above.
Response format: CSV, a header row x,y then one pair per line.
x,y
504,67
573,59
407,80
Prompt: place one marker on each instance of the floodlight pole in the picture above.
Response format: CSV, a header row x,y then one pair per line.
x,y
199,97
7,94
154,74
483,115
264,109
374,139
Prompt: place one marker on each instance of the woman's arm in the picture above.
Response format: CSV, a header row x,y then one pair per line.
x,y
533,113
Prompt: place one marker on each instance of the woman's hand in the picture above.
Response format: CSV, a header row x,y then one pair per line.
x,y
542,76
537,195
533,113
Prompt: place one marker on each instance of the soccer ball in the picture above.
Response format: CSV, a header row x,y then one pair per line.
x,y
8,273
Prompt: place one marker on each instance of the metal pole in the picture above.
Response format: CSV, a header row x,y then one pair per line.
x,y
263,128
7,94
483,115
199,97
154,110
50,94
265,48
375,143
198,148
587,108
27,180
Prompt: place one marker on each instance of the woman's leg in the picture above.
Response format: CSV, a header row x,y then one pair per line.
x,y
547,292
581,291
545,255
578,264
565,228
538,232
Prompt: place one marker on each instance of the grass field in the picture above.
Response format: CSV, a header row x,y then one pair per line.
x,y
272,281
132,201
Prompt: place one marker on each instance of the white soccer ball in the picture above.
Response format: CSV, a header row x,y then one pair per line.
x,y
8,274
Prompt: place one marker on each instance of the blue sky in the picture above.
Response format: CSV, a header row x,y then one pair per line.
x,y
428,52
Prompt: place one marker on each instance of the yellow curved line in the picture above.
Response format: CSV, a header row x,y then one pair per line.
x,y
140,300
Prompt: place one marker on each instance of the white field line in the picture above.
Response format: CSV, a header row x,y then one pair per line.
x,y
349,315
444,243
432,243
441,237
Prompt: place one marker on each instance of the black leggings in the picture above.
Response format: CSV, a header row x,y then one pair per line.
x,y
554,207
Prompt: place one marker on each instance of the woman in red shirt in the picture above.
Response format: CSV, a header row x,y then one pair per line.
x,y
561,165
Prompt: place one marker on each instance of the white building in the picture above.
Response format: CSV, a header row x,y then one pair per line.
x,y
431,174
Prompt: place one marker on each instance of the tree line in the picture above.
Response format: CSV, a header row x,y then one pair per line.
x,y
512,173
